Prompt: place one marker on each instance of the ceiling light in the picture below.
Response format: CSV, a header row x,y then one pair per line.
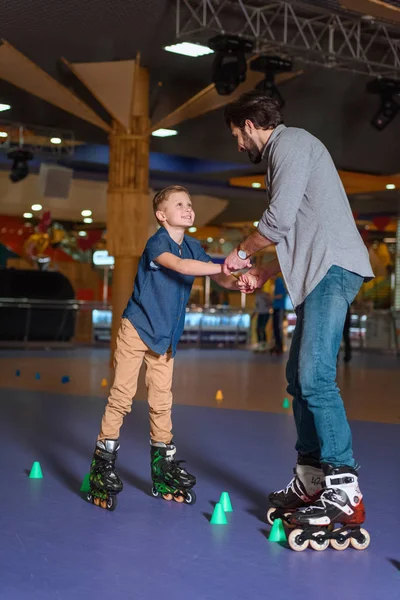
x,y
56,140
255,184
164,132
390,186
28,215
36,207
189,49
88,220
255,223
192,229
4,107
222,241
210,239
82,233
3,134
86,213
229,66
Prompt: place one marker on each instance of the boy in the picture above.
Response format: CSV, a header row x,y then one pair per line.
x,y
151,326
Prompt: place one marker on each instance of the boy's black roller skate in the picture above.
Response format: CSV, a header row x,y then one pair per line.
x,y
105,483
340,502
303,490
170,480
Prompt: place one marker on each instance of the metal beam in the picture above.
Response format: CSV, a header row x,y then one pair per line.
x,y
335,40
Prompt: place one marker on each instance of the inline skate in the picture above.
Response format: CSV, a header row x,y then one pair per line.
x,y
340,503
170,480
104,480
303,490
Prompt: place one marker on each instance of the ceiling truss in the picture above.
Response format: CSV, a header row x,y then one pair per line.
x,y
298,31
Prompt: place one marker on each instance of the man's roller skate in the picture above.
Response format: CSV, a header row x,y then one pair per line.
x,y
104,480
170,480
303,490
340,503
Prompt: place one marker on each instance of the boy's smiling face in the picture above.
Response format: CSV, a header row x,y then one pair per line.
x,y
177,211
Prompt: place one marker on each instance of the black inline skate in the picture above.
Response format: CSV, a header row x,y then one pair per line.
x,y
105,483
303,490
170,480
340,503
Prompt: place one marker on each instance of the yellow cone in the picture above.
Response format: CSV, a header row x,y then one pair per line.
x,y
219,396
104,383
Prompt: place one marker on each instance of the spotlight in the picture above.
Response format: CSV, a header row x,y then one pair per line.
x,y
271,65
386,89
229,66
19,169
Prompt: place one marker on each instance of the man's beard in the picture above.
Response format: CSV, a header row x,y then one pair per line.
x,y
252,150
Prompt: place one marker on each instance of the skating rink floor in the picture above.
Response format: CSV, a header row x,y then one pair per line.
x,y
56,546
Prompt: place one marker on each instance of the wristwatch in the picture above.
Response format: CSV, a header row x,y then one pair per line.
x,y
241,253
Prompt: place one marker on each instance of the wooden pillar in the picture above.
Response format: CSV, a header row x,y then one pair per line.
x,y
127,200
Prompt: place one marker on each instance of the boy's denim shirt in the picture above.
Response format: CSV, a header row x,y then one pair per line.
x,y
157,306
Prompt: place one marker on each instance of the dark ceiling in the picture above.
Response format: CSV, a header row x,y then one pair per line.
x,y
330,104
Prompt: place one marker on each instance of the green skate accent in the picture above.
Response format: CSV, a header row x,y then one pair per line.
x,y
218,516
225,501
277,533
36,471
85,487
286,403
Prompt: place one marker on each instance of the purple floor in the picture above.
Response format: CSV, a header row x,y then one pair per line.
x,y
55,546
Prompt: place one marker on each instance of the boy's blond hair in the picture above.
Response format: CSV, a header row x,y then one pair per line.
x,y
164,194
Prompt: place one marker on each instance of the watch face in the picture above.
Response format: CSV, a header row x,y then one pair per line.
x,y
242,254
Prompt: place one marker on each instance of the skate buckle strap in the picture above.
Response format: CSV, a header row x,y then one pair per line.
x,y
334,481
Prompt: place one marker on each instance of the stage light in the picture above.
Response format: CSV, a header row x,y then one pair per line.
x,y
86,213
390,186
192,229
164,132
386,89
36,207
88,220
229,66
4,107
19,168
27,215
255,184
271,66
56,140
3,134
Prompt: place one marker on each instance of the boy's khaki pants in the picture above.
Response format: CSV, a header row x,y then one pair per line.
x,y
130,353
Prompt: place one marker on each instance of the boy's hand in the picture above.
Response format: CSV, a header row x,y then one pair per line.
x,y
247,283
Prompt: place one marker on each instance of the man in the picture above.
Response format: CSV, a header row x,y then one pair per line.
x,y
324,262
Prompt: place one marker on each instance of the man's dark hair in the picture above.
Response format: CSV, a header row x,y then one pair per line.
x,y
262,110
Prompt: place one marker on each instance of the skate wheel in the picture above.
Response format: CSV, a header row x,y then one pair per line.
x,y
154,492
190,497
340,543
361,545
167,497
179,499
319,542
287,520
111,503
103,504
270,515
296,540
96,501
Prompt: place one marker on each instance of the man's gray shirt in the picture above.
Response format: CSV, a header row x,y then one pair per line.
x,y
308,215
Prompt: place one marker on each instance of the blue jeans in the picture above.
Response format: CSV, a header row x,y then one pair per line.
x,y
322,427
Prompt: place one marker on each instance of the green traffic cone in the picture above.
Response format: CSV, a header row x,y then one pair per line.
x,y
36,471
218,516
226,502
277,533
286,403
85,487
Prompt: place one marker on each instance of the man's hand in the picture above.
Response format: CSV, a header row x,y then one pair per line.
x,y
234,263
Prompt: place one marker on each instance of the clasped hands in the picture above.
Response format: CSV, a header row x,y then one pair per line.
x,y
247,282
